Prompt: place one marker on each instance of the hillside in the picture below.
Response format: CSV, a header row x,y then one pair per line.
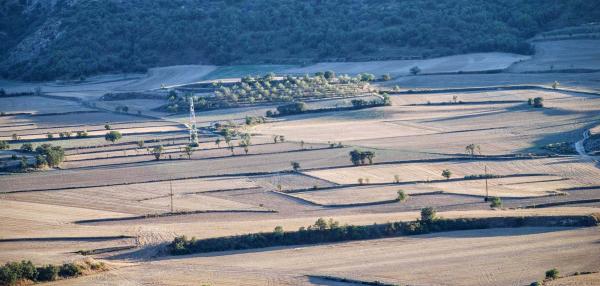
x,y
41,40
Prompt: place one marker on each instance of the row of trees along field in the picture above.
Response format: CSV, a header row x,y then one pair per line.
x,y
130,36
268,88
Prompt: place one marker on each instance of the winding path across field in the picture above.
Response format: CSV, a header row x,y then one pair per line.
x,y
581,149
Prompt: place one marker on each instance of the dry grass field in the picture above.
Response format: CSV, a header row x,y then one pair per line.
x,y
114,199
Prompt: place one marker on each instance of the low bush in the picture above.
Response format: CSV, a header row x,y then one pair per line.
x,y
481,176
496,202
47,273
69,270
552,274
292,108
12,272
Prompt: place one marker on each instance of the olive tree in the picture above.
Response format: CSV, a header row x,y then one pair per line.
x,y
113,136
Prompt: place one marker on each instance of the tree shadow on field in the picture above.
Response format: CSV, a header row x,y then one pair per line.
x,y
494,232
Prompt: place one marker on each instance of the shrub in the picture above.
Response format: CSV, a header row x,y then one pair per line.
x,y
446,174
292,108
428,215
295,166
40,161
69,270
496,202
7,276
481,176
415,70
538,102
402,196
27,147
54,155
11,272
4,145
113,136
536,283
47,273
278,231
50,136
552,274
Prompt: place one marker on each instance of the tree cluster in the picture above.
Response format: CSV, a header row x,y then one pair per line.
x,y
358,157
131,36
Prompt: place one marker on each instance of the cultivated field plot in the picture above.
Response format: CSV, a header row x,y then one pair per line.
x,y
578,173
504,122
96,86
562,55
38,105
68,124
490,257
515,187
146,198
584,81
464,63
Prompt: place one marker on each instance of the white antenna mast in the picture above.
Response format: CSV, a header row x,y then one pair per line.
x,y
192,124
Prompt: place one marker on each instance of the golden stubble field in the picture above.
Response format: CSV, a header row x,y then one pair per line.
x,y
414,139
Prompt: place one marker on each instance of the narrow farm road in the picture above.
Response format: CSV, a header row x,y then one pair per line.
x,y
581,149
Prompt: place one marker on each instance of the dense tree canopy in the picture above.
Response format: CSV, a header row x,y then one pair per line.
x,y
128,36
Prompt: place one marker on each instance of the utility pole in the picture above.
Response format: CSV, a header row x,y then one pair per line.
x,y
193,140
171,187
486,184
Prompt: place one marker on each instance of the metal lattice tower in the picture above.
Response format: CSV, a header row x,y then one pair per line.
x,y
192,124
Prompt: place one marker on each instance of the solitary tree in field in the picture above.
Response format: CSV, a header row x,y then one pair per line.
x,y
107,127
157,151
552,274
538,102
140,144
472,149
245,142
555,84
189,150
369,155
295,166
275,139
496,202
415,70
218,142
402,196
446,174
113,136
355,157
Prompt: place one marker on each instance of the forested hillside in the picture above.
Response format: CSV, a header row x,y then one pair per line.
x,y
42,40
